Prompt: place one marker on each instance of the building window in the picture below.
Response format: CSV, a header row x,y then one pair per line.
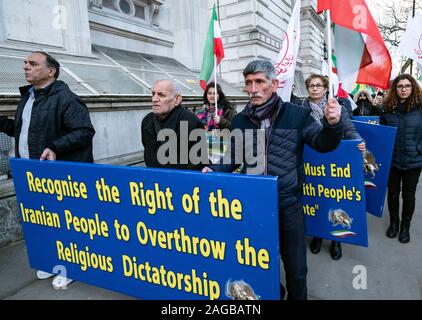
x,y
132,8
126,7
108,4
140,12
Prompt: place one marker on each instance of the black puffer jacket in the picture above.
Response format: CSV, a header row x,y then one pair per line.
x,y
59,121
292,127
408,146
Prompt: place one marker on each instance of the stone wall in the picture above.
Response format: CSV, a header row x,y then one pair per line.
x,y
10,227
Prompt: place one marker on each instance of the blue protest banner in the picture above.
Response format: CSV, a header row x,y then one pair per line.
x,y
380,145
334,195
368,119
151,233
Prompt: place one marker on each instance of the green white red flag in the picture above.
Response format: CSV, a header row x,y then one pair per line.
x,y
361,54
213,51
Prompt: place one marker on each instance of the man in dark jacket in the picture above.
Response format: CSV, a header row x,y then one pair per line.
x,y
166,131
51,122
287,128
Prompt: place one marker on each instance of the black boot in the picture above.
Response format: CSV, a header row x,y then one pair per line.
x,y
404,236
393,229
335,250
316,245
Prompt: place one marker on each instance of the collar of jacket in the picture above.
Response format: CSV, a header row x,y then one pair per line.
x,y
169,122
52,88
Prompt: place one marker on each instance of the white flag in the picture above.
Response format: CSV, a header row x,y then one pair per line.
x,y
336,83
286,61
411,42
334,78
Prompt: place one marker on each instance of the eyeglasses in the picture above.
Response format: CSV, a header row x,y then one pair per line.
x,y
316,86
406,86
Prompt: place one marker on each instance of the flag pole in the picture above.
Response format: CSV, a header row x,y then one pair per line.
x,y
413,15
330,61
215,70
215,84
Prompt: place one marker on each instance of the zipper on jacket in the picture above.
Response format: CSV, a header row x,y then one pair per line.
x,y
268,140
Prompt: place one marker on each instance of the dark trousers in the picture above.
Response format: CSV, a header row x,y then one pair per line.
x,y
293,252
404,181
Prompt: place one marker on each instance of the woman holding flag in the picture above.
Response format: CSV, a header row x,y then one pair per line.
x,y
212,120
206,113
403,110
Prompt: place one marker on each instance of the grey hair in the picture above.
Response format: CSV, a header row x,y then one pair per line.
x,y
176,89
260,65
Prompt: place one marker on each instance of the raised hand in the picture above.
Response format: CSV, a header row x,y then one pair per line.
x,y
332,111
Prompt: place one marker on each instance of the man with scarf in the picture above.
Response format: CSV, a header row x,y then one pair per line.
x,y
287,128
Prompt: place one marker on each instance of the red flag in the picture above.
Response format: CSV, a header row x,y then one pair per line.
x,y
342,93
360,50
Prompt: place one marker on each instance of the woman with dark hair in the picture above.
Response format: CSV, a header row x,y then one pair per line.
x,y
212,120
317,86
207,114
403,110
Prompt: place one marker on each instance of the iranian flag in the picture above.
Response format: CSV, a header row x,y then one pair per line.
x,y
361,55
213,51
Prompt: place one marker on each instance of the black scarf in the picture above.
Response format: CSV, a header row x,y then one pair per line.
x,y
265,111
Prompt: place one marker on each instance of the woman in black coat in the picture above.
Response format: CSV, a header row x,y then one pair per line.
x,y
403,109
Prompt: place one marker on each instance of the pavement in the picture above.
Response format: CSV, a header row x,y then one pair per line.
x,y
386,270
